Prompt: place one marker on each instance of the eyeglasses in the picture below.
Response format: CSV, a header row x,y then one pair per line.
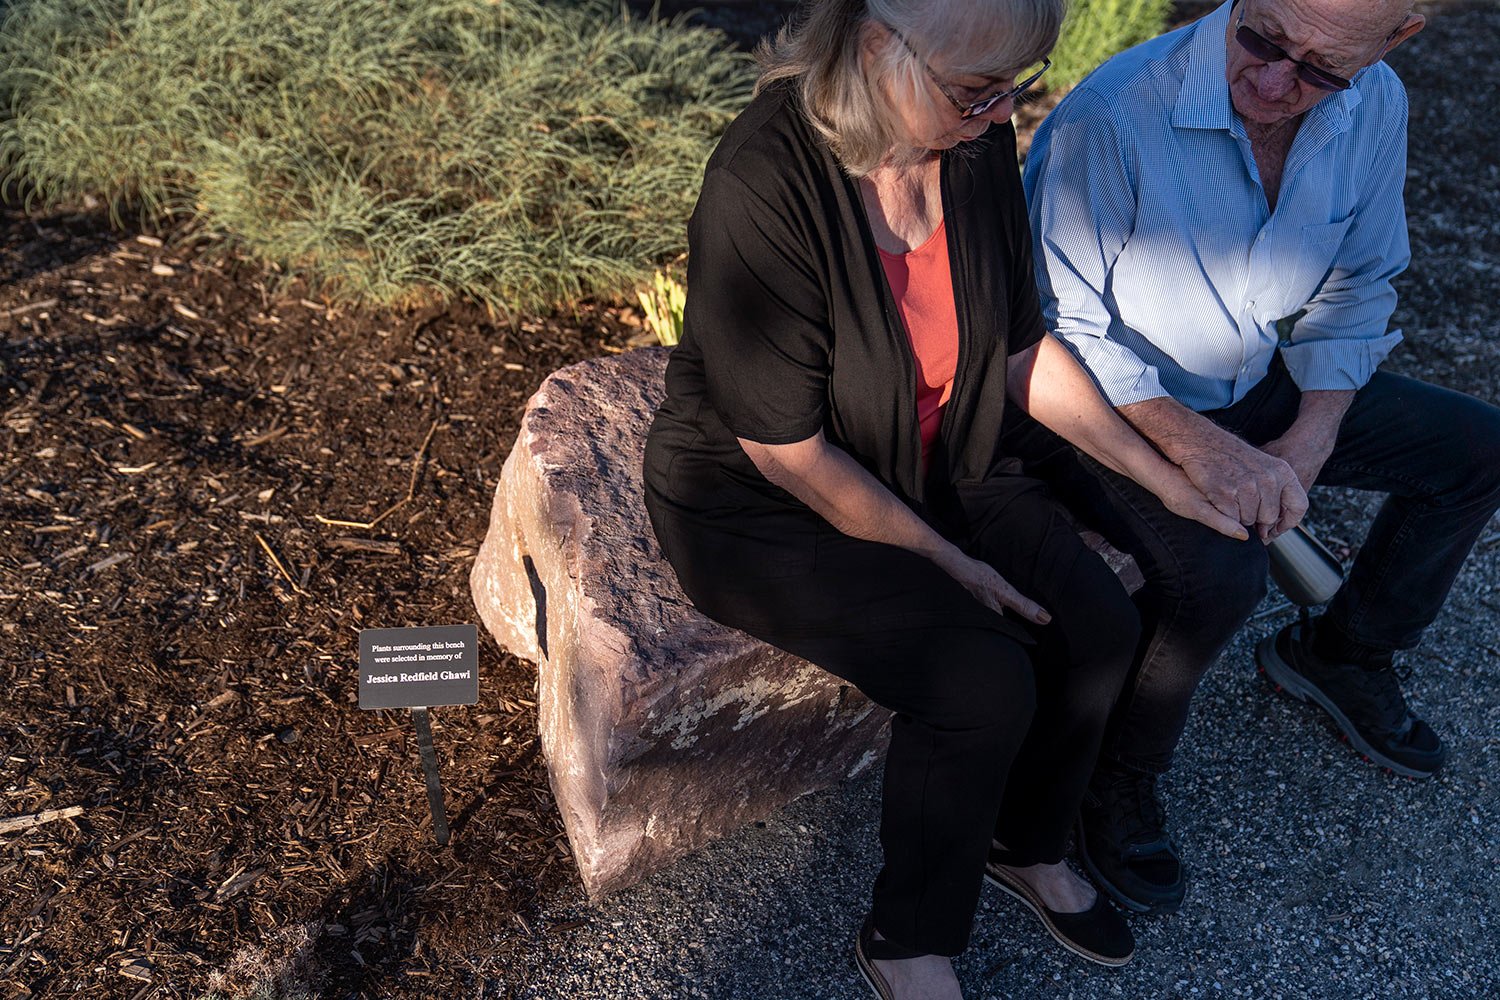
x,y
1266,50
974,110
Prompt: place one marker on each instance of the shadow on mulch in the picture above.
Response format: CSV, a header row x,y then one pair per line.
x,y
37,248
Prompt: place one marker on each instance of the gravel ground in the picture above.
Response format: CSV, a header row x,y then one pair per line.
x,y
1314,874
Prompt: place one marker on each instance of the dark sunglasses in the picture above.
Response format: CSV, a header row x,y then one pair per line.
x,y
966,111
1266,50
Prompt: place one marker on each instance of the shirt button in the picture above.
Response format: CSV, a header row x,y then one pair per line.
x,y
1261,238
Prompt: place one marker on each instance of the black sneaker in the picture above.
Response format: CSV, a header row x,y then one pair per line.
x,y
1367,705
1123,843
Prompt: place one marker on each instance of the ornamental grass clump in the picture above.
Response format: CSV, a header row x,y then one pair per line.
x,y
1097,29
390,151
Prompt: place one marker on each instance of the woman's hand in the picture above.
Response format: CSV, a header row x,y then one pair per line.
x,y
989,587
844,492
1049,383
1178,494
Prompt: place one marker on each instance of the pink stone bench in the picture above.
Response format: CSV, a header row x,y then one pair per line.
x,y
662,730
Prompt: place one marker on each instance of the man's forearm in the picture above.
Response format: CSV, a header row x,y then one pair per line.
x,y
1050,385
1176,431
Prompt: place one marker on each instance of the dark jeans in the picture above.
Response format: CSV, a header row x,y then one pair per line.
x,y
997,725
1435,452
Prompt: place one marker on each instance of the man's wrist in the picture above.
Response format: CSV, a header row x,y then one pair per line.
x,y
1319,416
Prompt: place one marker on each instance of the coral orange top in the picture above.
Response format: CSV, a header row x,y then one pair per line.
x,y
922,286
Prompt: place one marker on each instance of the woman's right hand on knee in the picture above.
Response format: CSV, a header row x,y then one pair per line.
x,y
989,587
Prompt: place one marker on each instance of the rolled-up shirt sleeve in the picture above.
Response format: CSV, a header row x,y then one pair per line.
x,y
1343,336
758,313
1081,200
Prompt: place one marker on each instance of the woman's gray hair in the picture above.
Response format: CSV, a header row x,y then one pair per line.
x,y
844,99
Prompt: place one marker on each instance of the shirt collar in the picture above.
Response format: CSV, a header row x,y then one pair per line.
x,y
1203,99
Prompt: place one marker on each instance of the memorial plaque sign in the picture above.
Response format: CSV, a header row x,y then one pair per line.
x,y
416,668
420,666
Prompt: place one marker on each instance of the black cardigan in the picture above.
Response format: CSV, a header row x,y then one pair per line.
x,y
791,327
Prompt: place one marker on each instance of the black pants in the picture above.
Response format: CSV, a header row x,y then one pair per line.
x,y
1435,452
997,725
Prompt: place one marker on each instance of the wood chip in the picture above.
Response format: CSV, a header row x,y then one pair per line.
x,y
15,824
140,973
268,436
108,561
30,306
383,546
238,883
387,736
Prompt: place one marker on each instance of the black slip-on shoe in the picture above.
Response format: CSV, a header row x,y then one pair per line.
x,y
1124,846
867,950
1098,934
1365,704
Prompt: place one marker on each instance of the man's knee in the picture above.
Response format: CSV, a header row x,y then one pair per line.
x,y
1213,582
1480,451
1435,445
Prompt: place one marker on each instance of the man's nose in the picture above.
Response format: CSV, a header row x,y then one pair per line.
x,y
1276,80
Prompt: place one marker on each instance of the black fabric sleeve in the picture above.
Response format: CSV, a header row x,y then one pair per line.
x,y
757,313
1027,326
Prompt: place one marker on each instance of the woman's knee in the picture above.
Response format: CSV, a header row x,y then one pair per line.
x,y
1099,623
973,679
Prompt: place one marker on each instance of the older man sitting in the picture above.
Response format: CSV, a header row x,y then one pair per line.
x,y
1218,217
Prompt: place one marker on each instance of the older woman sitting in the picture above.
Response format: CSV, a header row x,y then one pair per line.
x,y
827,472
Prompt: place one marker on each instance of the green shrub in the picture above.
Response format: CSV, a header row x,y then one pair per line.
x,y
1097,29
519,152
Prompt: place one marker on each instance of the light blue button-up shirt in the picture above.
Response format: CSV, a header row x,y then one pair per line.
x,y
1159,263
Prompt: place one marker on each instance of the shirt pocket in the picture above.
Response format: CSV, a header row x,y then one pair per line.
x,y
1316,252
1326,232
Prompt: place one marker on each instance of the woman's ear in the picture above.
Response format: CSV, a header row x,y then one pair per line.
x,y
873,37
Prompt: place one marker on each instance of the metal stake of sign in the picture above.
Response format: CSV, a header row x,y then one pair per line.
x,y
429,768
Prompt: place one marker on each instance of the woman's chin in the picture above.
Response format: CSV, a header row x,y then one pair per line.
x,y
968,134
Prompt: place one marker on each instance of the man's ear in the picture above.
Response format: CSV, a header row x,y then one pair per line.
x,y
1413,24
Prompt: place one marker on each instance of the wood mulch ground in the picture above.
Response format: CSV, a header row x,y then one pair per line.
x,y
209,482
209,485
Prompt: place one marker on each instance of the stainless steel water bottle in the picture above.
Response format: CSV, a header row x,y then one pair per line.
x,y
1304,569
